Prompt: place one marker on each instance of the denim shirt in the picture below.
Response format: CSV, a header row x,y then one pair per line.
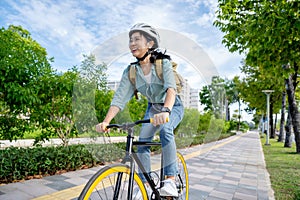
x,y
155,92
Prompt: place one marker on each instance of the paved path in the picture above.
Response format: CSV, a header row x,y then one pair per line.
x,y
56,142
232,168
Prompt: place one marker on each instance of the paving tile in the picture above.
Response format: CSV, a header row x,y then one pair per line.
x,y
224,187
88,176
214,177
60,185
249,175
202,188
220,195
214,198
16,195
197,194
241,196
231,178
209,182
35,189
247,191
77,180
55,178
247,181
229,182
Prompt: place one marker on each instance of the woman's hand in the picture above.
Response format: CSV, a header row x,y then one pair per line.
x,y
101,127
160,118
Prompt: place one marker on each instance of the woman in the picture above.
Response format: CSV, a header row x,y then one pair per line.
x,y
163,102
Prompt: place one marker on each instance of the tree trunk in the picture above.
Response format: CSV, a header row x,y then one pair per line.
x,y
239,120
227,110
293,109
288,131
275,122
281,136
272,134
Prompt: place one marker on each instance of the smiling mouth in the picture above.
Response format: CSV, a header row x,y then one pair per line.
x,y
133,50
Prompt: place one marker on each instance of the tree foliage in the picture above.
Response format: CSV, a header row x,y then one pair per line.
x,y
23,63
268,32
218,96
53,114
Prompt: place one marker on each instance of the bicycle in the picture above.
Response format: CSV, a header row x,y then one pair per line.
x,y
116,181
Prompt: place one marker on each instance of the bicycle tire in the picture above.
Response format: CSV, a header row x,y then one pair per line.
x,y
101,185
182,179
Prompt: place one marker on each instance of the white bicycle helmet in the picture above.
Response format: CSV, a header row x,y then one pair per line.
x,y
149,30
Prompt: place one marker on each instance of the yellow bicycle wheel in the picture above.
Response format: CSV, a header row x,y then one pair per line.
x,y
103,184
182,179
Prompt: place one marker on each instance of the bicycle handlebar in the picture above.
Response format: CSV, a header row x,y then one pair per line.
x,y
130,125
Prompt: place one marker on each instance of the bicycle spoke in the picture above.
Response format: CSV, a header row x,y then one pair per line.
x,y
182,178
104,184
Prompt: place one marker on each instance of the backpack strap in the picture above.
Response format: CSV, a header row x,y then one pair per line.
x,y
158,68
132,76
179,80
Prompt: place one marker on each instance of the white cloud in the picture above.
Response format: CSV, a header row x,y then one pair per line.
x,y
58,26
70,28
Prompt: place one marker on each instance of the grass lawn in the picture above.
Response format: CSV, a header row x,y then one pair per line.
x,y
283,165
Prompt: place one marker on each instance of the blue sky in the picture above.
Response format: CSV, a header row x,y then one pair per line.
x,y
70,28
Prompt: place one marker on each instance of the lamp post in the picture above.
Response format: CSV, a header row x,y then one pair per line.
x,y
268,93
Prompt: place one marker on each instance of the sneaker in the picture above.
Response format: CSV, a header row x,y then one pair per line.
x,y
168,189
137,195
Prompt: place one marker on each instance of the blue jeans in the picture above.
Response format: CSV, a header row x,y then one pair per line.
x,y
166,137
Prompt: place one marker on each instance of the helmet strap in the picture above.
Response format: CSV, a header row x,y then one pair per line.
x,y
145,55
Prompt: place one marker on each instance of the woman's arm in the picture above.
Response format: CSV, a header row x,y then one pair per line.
x,y
163,117
112,112
170,98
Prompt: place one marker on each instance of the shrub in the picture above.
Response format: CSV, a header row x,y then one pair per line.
x,y
20,163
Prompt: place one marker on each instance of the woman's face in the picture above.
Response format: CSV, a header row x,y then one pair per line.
x,y
138,45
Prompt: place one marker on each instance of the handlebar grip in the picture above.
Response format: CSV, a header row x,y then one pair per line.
x,y
151,120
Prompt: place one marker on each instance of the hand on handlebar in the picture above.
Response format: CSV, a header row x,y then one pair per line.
x,y
160,118
101,127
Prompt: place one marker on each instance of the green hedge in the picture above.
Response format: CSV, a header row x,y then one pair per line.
x,y
21,163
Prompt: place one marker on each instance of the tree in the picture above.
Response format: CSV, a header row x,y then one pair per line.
x,y
213,97
251,88
23,62
268,33
188,127
219,95
91,98
94,73
282,135
205,99
233,95
54,114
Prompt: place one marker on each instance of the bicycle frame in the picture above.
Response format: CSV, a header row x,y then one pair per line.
x,y
131,157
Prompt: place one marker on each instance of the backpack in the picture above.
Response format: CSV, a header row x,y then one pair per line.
x,y
159,71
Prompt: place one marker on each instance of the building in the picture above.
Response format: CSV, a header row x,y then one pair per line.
x,y
185,94
194,99
113,85
190,96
